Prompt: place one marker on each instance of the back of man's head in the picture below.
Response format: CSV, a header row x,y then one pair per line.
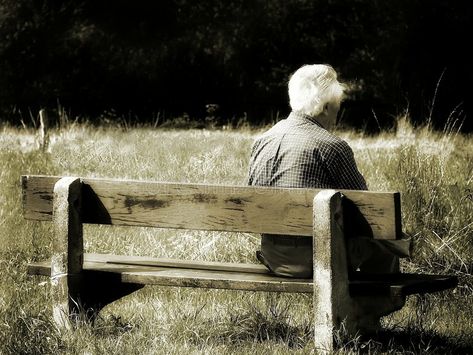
x,y
311,87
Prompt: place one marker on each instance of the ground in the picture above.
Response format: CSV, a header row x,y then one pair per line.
x,y
432,170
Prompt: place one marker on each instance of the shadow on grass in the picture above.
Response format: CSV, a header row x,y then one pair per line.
x,y
275,327
261,327
37,334
410,341
255,326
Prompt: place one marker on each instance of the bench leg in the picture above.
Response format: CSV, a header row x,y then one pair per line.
x,y
73,289
68,249
334,309
331,297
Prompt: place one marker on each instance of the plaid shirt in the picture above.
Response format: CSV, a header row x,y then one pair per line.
x,y
299,152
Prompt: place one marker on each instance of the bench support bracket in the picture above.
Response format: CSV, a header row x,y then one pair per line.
x,y
68,249
335,311
74,290
330,275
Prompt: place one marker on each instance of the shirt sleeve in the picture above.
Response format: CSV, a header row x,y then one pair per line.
x,y
251,167
343,170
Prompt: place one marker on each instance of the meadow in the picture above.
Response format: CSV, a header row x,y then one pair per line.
x,y
432,170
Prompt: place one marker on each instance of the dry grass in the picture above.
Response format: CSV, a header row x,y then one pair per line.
x,y
433,171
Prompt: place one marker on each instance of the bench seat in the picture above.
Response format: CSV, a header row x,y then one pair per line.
x,y
237,276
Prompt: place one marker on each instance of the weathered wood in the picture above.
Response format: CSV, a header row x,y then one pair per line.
x,y
129,260
355,299
215,207
364,284
177,263
217,280
336,308
67,258
399,284
43,130
101,284
331,287
184,277
339,298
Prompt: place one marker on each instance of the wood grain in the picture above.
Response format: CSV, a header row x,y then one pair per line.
x,y
200,275
177,263
67,257
331,298
214,207
205,274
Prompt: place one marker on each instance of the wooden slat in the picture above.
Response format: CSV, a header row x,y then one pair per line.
x,y
187,277
43,268
177,263
218,280
207,275
214,207
401,284
127,261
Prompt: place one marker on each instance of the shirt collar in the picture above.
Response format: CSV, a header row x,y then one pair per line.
x,y
302,116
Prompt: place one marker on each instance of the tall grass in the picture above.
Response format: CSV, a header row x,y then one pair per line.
x,y
433,171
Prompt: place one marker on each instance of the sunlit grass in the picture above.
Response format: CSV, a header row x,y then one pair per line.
x,y
433,171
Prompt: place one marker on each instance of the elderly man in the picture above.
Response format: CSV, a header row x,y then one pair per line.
x,y
300,151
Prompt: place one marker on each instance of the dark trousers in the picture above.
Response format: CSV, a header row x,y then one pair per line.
x,y
289,256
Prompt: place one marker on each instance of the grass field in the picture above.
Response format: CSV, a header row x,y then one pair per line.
x,y
433,171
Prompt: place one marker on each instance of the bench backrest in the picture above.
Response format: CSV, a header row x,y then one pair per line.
x,y
214,207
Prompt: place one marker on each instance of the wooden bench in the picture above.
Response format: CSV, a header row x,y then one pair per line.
x,y
356,298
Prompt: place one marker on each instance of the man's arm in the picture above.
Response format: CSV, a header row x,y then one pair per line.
x,y
342,168
251,165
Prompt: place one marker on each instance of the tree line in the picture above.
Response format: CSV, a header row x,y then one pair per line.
x,y
141,58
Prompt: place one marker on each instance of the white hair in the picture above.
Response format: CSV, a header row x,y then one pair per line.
x,y
311,87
